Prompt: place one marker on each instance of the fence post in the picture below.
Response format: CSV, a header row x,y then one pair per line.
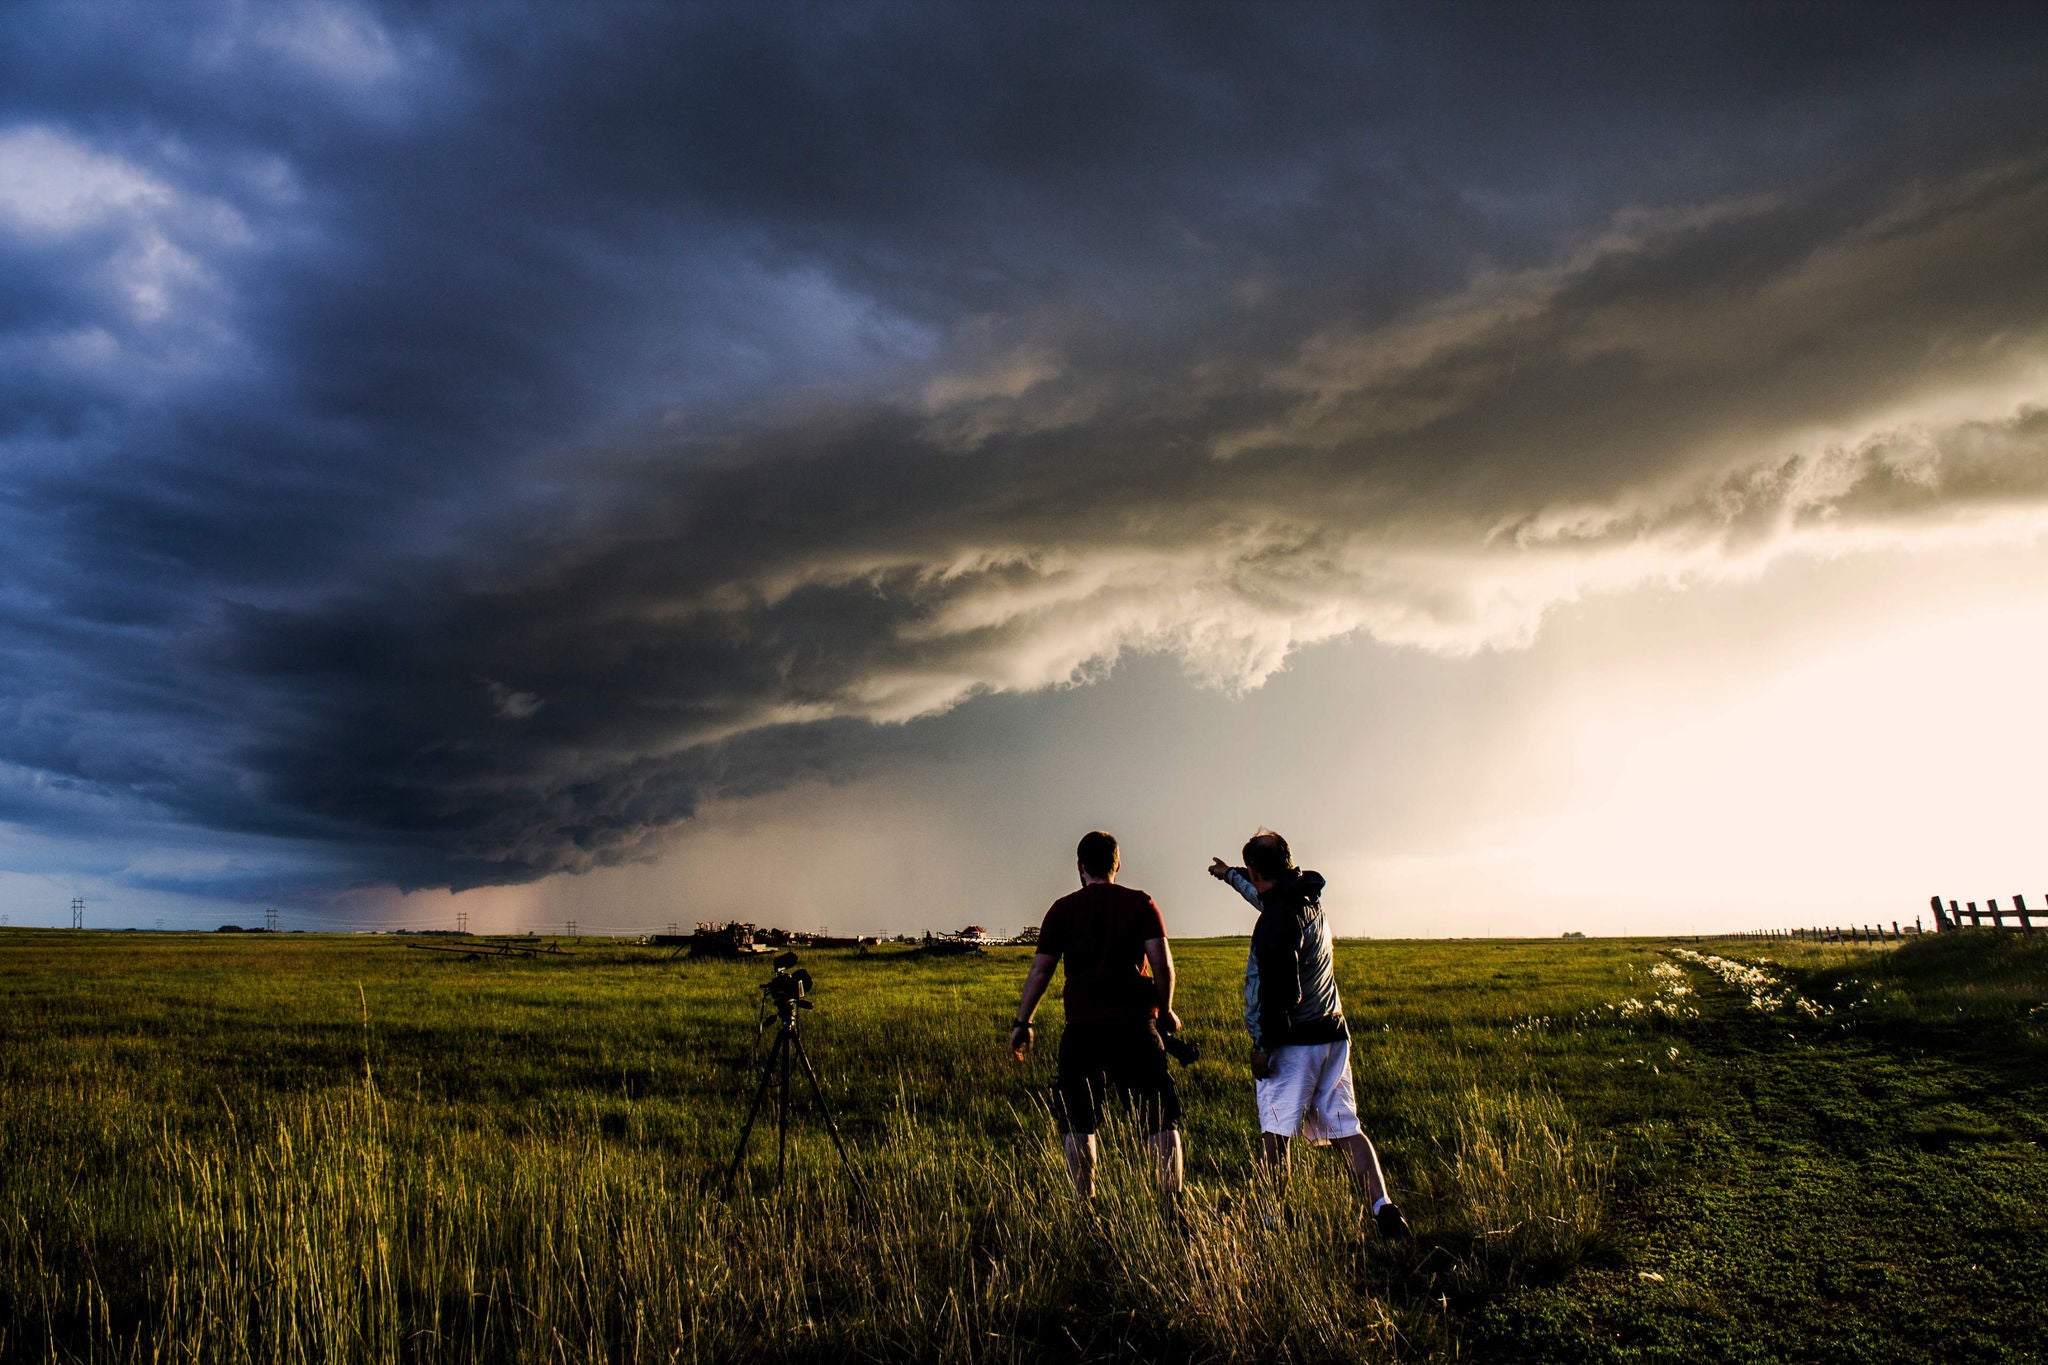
x,y
1997,915
1976,918
1940,915
2019,905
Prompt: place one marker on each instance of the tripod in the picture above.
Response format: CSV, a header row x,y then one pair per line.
x,y
788,1043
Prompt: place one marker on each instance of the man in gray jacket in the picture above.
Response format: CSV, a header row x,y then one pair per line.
x,y
1301,1046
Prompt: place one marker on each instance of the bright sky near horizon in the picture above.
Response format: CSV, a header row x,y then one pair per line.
x,y
1566,469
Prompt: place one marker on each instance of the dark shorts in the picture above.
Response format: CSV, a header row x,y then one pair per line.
x,y
1126,1058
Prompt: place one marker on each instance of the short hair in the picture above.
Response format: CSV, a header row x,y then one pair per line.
x,y
1266,854
1097,853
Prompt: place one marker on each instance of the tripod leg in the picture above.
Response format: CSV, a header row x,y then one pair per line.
x,y
782,1118
747,1129
825,1112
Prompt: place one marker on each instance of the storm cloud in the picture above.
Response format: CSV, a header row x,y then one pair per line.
x,y
448,451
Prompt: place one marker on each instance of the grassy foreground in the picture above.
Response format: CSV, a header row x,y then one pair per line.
x,y
335,1149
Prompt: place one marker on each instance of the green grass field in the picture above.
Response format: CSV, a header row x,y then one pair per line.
x,y
302,1148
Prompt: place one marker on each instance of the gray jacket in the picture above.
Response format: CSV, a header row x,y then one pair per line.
x,y
1290,981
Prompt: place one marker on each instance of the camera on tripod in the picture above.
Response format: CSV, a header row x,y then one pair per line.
x,y
788,987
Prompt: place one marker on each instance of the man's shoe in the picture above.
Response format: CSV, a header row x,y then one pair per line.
x,y
1392,1224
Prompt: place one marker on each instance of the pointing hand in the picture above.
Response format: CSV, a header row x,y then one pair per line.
x,y
1217,867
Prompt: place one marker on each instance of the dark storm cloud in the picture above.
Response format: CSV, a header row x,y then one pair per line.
x,y
458,444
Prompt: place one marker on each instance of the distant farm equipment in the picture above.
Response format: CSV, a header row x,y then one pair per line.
x,y
727,939
973,939
738,939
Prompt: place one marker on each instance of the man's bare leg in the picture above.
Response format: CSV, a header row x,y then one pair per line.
x,y
1166,1157
1273,1157
1081,1163
1365,1167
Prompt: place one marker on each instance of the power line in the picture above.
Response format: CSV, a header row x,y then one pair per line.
x,y
270,919
78,912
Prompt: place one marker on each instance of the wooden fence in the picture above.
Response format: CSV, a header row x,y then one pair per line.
x,y
1953,917
1854,933
1946,917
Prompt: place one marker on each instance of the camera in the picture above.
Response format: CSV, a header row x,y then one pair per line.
x,y
788,987
1184,1050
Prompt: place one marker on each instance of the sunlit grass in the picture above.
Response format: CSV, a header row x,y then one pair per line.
x,y
333,1150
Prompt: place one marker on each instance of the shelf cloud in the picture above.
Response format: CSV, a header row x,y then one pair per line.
x,y
445,466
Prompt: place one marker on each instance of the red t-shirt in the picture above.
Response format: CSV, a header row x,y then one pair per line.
x,y
1101,930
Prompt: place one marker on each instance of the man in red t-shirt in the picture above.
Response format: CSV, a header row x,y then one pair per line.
x,y
1119,994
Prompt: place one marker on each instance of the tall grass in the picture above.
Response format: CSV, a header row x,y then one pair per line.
x,y
346,1227
374,1219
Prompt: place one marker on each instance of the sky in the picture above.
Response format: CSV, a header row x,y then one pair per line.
x,y
1568,468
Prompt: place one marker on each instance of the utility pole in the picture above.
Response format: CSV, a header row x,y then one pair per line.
x,y
78,912
159,924
270,919
462,921
572,928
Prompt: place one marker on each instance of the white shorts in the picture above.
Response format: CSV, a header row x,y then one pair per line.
x,y
1309,1093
